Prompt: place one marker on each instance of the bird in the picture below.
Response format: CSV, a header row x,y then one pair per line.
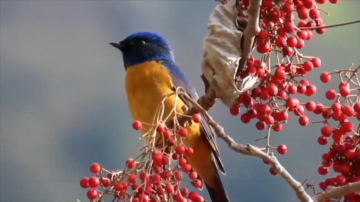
x,y
152,73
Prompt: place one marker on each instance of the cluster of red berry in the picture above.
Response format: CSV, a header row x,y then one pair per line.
x,y
271,101
343,155
280,82
156,177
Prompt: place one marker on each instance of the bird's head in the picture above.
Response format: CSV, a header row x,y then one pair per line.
x,y
142,47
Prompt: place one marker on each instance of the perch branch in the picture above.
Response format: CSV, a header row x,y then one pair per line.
x,y
206,102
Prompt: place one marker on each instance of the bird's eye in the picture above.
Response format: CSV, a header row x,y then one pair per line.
x,y
142,42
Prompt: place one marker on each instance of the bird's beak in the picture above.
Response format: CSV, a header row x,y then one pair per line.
x,y
116,45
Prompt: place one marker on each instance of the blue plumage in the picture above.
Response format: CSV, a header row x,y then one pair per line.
x,y
145,46
149,46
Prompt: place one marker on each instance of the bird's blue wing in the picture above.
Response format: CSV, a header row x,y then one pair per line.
x,y
179,79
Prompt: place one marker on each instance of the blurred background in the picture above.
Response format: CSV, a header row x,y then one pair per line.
x,y
63,104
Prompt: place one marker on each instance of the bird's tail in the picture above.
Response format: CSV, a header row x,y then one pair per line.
x,y
217,193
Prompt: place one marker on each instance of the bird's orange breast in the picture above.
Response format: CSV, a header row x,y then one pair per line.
x,y
146,85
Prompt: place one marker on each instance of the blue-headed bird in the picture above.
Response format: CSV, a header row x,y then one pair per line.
x,y
151,74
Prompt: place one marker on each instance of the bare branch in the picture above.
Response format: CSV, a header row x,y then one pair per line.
x,y
338,192
251,30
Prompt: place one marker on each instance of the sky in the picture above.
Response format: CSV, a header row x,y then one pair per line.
x,y
64,106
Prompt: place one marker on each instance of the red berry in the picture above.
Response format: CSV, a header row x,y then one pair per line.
x,y
282,149
167,134
292,102
347,127
310,90
170,142
160,191
137,125
348,111
292,89
291,41
157,158
197,183
330,94
263,48
269,119
302,34
344,83
344,91
245,118
184,192
284,115
340,180
277,127
180,149
311,106
323,170
350,154
189,151
186,168
182,161
357,107
326,131
308,4
323,140
144,176
84,182
273,171
105,182
260,125
325,77
308,66
316,62
118,186
302,12
280,41
95,168
196,118
94,182
303,121
132,178
183,132
272,90
160,128
91,194
301,89
336,107
193,175
310,35
323,185
175,156
165,160
314,13
234,110
169,188
130,163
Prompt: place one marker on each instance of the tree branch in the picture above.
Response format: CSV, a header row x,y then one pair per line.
x,y
338,192
250,32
